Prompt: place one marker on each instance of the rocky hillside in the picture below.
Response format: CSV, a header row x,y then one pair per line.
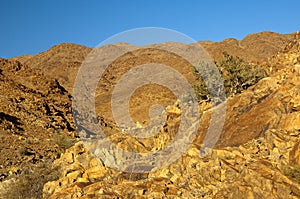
x,y
288,56
36,125
253,48
60,62
63,61
257,155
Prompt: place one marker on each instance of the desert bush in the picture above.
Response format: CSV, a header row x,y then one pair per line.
x,y
239,75
29,184
208,83
236,75
63,140
292,172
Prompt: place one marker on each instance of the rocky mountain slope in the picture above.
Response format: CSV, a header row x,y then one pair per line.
x,y
288,56
63,61
257,155
35,122
60,62
253,48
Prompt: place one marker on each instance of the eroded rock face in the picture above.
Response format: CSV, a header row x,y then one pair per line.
x,y
288,56
252,170
257,155
253,48
270,104
60,62
34,112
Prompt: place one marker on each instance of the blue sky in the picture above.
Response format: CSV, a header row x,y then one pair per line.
x,y
29,27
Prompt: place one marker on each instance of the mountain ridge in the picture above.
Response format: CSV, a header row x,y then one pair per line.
x,y
257,155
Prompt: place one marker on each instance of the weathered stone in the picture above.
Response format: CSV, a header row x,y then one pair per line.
x,y
260,137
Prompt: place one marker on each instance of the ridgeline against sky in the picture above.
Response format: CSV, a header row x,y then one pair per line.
x,y
29,27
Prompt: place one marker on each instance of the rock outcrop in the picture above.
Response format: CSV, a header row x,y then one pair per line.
x,y
60,62
255,48
257,155
36,123
288,56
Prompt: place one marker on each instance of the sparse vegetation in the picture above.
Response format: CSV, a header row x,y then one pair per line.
x,y
36,127
236,75
63,140
29,184
292,172
239,75
208,83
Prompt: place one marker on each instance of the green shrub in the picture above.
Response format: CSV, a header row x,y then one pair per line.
x,y
239,75
63,140
208,83
236,75
29,184
292,172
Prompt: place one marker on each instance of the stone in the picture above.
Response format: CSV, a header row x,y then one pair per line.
x,y
259,139
95,172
